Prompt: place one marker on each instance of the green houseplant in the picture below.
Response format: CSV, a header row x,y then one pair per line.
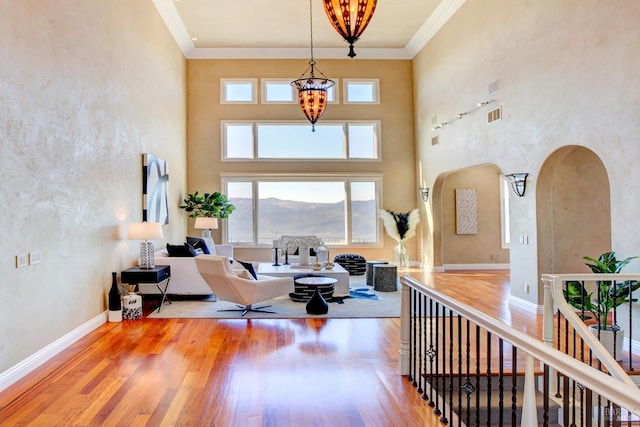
x,y
210,205
607,295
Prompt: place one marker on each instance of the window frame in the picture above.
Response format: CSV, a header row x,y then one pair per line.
x,y
223,90
348,178
376,91
263,91
345,124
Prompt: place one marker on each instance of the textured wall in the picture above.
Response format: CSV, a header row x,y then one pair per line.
x,y
568,76
395,111
85,88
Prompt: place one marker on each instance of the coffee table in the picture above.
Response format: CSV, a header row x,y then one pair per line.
x,y
337,272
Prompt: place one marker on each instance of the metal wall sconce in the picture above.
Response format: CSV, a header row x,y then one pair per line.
x,y
518,182
424,192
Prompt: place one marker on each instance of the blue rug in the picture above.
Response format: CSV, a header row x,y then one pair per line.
x,y
362,293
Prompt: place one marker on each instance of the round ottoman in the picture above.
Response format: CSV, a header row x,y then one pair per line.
x,y
353,263
369,270
385,277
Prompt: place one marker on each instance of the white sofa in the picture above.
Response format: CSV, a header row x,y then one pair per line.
x,y
185,279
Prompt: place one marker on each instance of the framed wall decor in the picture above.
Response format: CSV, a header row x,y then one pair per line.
x,y
155,189
466,211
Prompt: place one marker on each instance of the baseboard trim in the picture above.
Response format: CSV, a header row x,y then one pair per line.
x,y
527,305
28,365
491,266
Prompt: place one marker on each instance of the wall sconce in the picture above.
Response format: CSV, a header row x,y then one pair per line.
x,y
518,182
424,192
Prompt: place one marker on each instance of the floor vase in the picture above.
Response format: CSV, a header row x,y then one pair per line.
x,y
401,255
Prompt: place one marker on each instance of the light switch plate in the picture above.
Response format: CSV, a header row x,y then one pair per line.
x,y
34,257
21,260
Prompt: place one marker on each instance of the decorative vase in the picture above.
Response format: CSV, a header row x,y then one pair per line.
x,y
132,306
607,338
317,304
303,254
401,255
115,304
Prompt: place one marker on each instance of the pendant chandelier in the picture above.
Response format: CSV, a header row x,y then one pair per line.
x,y
312,90
350,18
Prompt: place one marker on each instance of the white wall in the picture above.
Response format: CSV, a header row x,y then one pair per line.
x,y
85,88
568,75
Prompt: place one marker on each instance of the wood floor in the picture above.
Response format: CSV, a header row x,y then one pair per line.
x,y
207,372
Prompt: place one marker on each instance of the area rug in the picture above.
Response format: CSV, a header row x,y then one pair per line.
x,y
367,303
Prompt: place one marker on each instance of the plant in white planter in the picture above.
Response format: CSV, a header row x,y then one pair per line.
x,y
598,304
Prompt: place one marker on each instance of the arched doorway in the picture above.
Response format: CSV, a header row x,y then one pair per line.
x,y
573,210
483,249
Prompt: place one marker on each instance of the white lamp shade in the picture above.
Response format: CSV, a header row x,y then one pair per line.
x,y
145,231
206,223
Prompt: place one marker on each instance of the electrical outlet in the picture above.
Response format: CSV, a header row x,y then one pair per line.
x,y
34,257
21,260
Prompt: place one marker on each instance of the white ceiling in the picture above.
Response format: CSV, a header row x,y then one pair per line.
x,y
280,28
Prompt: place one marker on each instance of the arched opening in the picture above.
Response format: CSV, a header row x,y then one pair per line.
x,y
482,249
573,210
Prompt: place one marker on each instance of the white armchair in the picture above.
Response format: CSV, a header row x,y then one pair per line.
x,y
228,286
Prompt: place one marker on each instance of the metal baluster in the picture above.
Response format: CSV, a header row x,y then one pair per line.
x,y
477,375
420,350
451,340
468,387
501,382
574,406
432,354
488,378
514,384
443,417
412,342
588,404
545,396
425,396
436,357
459,370
565,401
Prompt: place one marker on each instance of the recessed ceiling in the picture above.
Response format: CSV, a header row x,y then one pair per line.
x,y
280,29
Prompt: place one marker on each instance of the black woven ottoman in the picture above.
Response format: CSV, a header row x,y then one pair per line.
x,y
355,264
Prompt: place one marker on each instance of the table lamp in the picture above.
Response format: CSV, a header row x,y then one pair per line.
x,y
145,231
206,224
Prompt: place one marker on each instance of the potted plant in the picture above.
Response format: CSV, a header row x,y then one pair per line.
x,y
608,294
210,205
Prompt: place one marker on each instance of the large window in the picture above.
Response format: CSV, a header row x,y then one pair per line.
x,y
341,210
332,140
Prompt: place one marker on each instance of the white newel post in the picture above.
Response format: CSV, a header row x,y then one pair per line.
x,y
547,317
403,360
529,410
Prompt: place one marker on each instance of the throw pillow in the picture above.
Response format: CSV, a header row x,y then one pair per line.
x,y
245,274
185,250
198,243
249,267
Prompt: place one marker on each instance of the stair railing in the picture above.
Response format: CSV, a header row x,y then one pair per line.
x,y
450,351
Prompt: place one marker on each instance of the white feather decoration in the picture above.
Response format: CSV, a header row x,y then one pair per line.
x,y
391,225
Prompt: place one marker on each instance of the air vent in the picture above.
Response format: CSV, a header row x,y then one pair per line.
x,y
494,87
434,140
494,115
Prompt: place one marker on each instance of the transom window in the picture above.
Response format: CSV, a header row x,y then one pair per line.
x,y
361,91
332,140
238,91
341,210
280,91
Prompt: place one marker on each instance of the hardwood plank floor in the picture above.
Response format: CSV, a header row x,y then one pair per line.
x,y
201,372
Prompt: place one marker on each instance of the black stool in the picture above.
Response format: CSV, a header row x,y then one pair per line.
x,y
355,264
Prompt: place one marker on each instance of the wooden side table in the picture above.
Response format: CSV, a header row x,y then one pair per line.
x,y
155,275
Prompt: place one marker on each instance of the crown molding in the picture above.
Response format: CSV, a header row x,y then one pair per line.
x,y
430,28
432,25
294,53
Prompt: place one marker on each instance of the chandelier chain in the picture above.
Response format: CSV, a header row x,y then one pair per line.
x,y
311,29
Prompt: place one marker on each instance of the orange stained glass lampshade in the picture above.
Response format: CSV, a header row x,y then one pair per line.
x,y
350,18
312,96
